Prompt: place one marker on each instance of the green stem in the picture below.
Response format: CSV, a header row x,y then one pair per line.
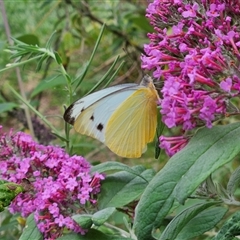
x,y
69,83
70,92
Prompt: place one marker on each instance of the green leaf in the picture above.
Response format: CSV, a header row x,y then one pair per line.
x,y
230,229
29,39
208,150
31,231
84,220
8,191
48,83
234,181
114,74
113,166
60,137
58,58
193,221
103,79
40,61
50,41
92,234
102,216
4,107
91,57
121,188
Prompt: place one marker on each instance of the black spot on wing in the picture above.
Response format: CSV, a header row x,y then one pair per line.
x,y
100,127
92,118
82,109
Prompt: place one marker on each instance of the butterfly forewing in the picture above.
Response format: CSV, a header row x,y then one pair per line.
x,y
90,114
76,108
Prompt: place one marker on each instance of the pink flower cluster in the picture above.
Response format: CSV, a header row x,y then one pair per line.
x,y
56,185
195,52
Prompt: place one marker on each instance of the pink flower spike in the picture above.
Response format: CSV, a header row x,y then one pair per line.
x,y
60,220
53,181
197,60
191,12
226,85
213,11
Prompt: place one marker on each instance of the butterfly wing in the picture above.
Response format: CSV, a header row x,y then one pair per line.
x,y
133,124
90,115
76,108
124,117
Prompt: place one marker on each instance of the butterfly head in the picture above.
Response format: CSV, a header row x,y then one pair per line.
x,y
147,81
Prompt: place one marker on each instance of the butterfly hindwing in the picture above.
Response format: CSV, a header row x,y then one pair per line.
x,y
137,115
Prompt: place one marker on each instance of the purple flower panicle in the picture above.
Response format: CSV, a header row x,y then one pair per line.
x,y
57,185
195,51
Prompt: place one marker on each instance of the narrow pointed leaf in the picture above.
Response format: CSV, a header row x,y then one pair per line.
x,y
114,74
103,79
91,57
58,58
43,58
50,40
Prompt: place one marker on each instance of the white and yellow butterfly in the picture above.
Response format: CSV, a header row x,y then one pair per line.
x,y
123,117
